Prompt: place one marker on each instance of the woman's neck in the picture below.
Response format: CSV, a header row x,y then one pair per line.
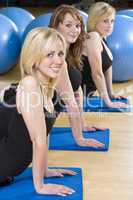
x,y
44,81
102,36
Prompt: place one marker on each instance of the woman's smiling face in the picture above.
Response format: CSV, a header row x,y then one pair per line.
x,y
70,28
51,64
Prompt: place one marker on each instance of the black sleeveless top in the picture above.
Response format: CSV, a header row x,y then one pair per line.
x,y
88,84
10,99
75,77
76,80
15,142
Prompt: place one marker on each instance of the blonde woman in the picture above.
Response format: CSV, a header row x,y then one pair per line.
x,y
24,127
97,57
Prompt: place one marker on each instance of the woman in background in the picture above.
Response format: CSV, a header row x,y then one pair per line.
x,y
97,57
67,20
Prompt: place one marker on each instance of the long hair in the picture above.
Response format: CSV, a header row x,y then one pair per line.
x,y
36,46
96,12
75,50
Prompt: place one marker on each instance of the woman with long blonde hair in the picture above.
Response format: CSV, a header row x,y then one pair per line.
x,y
27,117
97,57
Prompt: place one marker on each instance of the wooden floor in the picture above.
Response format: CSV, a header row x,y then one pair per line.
x,y
106,175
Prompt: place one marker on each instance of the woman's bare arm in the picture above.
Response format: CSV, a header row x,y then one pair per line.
x,y
65,90
85,125
94,49
31,107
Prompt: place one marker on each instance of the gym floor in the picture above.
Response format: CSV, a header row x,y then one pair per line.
x,y
106,175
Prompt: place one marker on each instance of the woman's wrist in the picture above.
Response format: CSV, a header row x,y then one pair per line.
x,y
111,95
38,187
106,99
79,140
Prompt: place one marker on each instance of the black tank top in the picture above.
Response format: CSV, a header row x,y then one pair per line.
x,y
75,77
10,99
15,142
88,84
76,80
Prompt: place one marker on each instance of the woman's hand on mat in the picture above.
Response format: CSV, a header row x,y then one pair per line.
x,y
117,105
93,128
90,143
59,172
86,127
116,96
54,189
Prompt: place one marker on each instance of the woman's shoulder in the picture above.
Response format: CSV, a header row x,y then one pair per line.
x,y
93,41
93,36
29,82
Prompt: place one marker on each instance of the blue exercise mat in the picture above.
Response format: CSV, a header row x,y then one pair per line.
x,y
62,139
23,189
96,104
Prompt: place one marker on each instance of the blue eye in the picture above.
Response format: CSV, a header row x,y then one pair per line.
x,y
51,54
109,21
61,54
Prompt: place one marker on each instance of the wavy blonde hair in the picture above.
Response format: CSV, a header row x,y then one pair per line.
x,y
36,46
75,50
96,12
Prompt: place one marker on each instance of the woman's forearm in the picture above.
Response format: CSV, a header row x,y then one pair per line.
x,y
108,79
101,87
39,164
79,99
74,116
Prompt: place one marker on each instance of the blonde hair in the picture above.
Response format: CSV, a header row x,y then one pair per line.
x,y
36,46
96,12
75,50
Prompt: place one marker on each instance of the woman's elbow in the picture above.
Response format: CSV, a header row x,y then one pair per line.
x,y
97,75
73,108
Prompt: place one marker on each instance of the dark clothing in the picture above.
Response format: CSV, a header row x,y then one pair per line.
x,y
88,84
75,77
76,80
15,142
